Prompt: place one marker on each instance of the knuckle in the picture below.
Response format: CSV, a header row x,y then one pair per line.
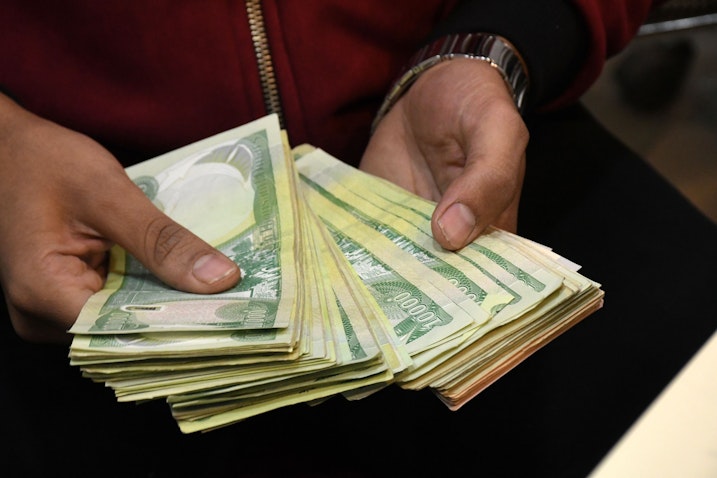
x,y
164,239
19,297
20,307
523,133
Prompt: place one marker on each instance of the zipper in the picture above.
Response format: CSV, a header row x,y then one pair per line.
x,y
267,77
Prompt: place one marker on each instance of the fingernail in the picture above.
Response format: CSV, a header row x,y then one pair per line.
x,y
211,268
456,224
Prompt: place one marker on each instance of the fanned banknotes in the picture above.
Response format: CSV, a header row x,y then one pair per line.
x,y
344,291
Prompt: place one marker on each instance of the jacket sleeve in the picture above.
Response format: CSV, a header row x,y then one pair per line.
x,y
564,43
610,24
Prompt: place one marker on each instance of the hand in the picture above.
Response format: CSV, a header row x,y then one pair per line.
x,y
65,201
457,138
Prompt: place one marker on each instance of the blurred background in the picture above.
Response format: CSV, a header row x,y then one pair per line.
x,y
659,96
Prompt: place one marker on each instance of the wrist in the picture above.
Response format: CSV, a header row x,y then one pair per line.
x,y
491,49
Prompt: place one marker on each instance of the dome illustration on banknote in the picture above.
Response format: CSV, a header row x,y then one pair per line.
x,y
209,192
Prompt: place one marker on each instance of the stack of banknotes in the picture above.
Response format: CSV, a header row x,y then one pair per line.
x,y
343,290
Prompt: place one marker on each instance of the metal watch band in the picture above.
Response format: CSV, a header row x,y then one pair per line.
x,y
494,49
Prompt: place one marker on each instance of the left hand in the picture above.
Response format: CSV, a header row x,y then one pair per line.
x,y
457,138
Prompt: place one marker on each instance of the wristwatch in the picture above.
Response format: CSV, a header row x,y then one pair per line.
x,y
494,49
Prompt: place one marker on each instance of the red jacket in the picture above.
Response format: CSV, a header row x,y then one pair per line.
x,y
146,77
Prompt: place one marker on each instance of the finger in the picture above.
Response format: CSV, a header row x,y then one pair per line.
x,y
508,219
174,254
45,295
487,191
36,329
475,201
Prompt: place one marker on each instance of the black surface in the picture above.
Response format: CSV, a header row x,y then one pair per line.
x,y
557,414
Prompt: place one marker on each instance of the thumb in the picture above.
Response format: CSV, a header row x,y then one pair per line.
x,y
486,190
173,253
477,199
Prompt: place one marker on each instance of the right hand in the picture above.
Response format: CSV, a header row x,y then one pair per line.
x,y
64,201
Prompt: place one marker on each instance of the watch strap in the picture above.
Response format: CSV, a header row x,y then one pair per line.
x,y
493,49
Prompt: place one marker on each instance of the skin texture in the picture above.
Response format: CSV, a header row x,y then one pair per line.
x,y
66,200
457,138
